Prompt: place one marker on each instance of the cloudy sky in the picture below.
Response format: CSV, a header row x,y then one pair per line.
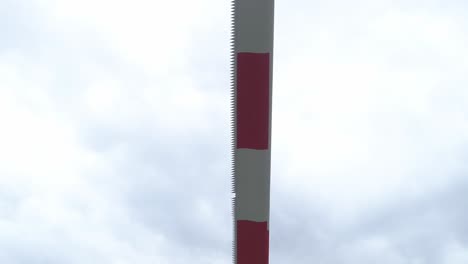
x,y
115,141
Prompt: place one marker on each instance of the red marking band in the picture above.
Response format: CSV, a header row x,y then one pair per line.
x,y
252,242
253,100
253,114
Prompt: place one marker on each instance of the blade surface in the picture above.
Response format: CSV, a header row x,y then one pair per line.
x,y
251,98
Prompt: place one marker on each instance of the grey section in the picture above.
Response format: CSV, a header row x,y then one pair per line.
x,y
252,184
254,25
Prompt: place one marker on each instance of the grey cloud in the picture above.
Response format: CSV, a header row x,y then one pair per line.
x,y
165,182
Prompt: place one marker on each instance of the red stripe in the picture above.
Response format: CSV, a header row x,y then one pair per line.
x,y
252,242
253,100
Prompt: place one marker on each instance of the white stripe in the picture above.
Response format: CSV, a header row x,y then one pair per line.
x,y
254,25
252,184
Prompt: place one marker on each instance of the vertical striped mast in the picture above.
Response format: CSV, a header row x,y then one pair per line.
x,y
252,65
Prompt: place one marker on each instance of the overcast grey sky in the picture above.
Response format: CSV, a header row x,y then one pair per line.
x,y
114,132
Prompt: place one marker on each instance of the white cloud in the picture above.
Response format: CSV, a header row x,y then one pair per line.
x,y
115,119
455,253
357,127
153,35
52,188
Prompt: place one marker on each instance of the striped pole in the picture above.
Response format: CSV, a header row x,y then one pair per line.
x,y
252,58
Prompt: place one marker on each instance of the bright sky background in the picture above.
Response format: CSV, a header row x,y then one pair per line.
x,y
115,141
